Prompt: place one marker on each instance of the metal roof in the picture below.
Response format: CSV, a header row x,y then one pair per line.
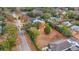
x,y
76,28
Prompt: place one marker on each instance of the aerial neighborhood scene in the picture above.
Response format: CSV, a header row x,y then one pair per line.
x,y
39,28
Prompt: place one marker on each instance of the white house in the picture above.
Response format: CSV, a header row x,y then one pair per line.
x,y
75,28
67,23
37,20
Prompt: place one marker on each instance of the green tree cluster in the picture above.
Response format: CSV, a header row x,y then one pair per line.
x,y
46,16
33,33
47,29
70,14
10,34
64,30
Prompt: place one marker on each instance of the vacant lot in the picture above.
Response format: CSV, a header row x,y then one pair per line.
x,y
43,39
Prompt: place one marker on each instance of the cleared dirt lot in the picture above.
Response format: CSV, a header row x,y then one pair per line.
x,y
43,39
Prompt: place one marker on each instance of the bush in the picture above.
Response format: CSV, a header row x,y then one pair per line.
x,y
10,30
76,17
8,44
1,48
10,34
64,30
4,46
11,41
47,29
70,14
33,33
46,16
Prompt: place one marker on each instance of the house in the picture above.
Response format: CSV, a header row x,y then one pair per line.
x,y
38,20
75,28
59,45
75,32
67,23
53,18
62,45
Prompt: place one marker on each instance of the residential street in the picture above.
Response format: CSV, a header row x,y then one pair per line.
x,y
24,45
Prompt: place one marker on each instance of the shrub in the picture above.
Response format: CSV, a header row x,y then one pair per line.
x,y
47,29
46,16
33,32
64,30
71,14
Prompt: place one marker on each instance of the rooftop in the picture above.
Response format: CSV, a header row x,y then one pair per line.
x,y
76,28
63,45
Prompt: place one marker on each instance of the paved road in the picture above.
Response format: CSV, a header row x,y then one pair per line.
x,y
24,45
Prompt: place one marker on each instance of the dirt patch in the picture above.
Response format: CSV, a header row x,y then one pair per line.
x,y
75,35
43,39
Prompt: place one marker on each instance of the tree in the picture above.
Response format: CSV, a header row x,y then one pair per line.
x,y
1,18
10,34
30,14
6,11
6,45
70,8
70,14
47,29
10,30
37,12
46,15
11,41
29,9
33,32
76,17
1,48
64,30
